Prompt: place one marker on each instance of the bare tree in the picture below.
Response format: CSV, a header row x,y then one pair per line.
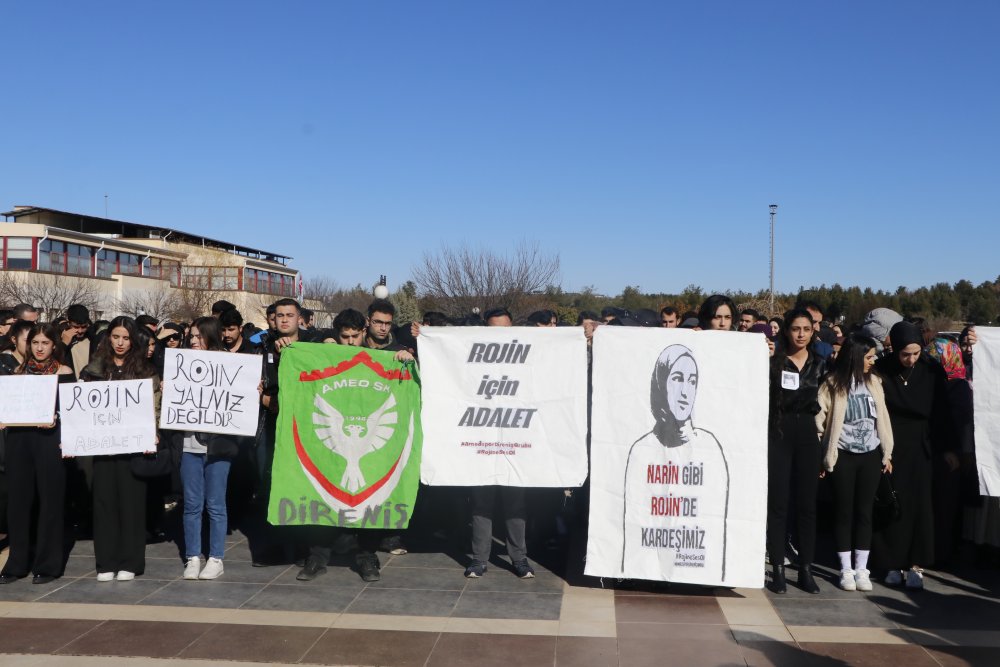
x,y
456,280
158,303
194,303
51,294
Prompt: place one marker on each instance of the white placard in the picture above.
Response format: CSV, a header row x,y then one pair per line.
x,y
102,418
210,392
678,487
28,400
503,405
986,408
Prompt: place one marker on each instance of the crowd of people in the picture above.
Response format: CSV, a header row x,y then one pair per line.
x,y
880,409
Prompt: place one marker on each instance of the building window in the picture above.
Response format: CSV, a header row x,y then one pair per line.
x,y
17,252
77,259
211,277
267,282
164,269
107,263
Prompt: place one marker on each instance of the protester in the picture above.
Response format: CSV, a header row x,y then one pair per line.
x,y
26,312
748,318
669,317
877,324
7,320
951,466
205,463
484,500
853,424
35,470
119,495
15,347
793,459
718,313
917,397
232,333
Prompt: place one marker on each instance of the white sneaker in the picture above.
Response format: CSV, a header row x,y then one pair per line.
x,y
213,569
125,575
105,576
915,579
192,568
847,580
862,580
894,578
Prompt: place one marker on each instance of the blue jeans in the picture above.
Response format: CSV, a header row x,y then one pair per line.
x,y
204,481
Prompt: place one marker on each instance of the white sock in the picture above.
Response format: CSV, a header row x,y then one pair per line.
x,y
861,558
845,559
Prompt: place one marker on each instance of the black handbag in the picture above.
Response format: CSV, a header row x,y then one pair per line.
x,y
886,509
163,462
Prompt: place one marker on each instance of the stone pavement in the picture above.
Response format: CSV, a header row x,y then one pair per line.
x,y
424,612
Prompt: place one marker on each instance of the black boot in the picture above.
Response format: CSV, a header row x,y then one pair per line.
x,y
778,579
806,581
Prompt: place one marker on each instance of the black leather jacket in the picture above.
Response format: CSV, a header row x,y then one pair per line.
x,y
803,400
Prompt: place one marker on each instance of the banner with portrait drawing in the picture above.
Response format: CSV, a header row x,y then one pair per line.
x,y
679,456
504,405
986,408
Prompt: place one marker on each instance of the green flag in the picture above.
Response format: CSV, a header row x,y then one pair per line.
x,y
347,450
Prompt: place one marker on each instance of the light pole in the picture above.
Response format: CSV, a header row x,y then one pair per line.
x,y
380,290
774,209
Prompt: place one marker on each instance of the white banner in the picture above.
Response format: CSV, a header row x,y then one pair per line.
x,y
28,400
986,408
504,405
101,418
210,392
678,488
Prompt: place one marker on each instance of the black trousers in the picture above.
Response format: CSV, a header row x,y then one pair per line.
x,y
855,480
119,516
321,539
793,462
484,500
35,466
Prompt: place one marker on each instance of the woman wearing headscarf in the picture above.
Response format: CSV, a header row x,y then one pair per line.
x,y
793,449
916,395
955,468
656,463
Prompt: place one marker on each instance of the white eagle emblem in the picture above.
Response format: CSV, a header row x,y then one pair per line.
x,y
355,438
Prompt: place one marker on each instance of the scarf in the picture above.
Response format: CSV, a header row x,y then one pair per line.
x,y
949,355
49,367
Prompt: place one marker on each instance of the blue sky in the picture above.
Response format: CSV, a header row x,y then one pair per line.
x,y
642,141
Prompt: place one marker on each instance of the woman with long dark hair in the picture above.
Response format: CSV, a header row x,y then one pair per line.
x,y
793,450
916,394
717,313
205,463
853,424
120,496
35,469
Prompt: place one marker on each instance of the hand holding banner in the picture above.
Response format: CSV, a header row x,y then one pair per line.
x,y
103,418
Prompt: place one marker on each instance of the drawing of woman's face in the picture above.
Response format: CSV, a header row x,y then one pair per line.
x,y
682,387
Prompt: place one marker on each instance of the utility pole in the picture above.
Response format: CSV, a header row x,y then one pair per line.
x,y
774,209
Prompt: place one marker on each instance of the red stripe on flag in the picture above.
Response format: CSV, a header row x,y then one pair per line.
x,y
330,488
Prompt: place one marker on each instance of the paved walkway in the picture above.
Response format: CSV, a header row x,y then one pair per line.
x,y
424,612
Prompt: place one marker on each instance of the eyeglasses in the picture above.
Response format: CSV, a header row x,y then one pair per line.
x,y
173,339
382,323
